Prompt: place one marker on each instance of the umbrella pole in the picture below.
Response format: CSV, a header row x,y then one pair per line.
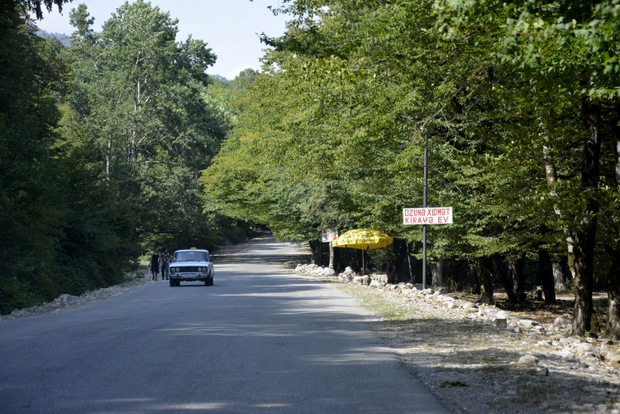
x,y
363,265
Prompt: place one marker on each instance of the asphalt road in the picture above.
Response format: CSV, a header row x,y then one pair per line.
x,y
260,340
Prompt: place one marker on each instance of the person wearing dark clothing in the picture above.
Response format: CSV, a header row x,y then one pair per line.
x,y
155,263
389,271
165,264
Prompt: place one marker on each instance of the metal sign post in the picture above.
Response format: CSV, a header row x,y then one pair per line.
x,y
424,205
328,236
426,215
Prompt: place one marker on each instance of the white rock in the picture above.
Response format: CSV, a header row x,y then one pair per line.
x,y
382,278
468,305
562,321
362,280
569,340
613,357
377,284
501,315
528,360
564,353
527,323
585,349
329,271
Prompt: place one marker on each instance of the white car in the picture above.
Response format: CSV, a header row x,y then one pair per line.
x,y
191,265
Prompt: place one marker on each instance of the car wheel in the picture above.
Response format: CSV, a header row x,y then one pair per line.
x,y
172,284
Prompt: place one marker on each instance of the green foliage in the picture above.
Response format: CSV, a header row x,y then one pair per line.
x,y
59,232
36,6
517,101
142,98
113,169
513,98
29,222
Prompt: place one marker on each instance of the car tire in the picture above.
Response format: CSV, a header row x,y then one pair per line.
x,y
172,284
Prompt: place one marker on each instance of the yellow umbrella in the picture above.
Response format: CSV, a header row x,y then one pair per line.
x,y
363,239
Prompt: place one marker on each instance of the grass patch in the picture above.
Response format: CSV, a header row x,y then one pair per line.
x,y
531,394
377,303
489,369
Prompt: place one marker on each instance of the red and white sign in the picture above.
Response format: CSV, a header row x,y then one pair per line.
x,y
427,215
329,235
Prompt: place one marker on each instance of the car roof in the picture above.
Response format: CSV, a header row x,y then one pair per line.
x,y
191,250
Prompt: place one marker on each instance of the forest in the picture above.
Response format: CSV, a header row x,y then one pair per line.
x,y
121,141
101,147
517,102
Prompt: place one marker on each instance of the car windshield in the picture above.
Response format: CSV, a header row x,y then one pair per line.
x,y
191,257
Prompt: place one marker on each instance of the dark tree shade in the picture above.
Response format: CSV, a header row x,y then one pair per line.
x,y
36,6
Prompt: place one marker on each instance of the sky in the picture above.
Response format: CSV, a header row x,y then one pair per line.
x,y
231,28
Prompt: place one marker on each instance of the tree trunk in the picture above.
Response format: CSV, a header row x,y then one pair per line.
x,y
584,279
338,260
108,157
551,177
485,276
499,268
584,234
516,272
437,272
411,277
559,267
612,329
401,260
316,246
474,277
546,276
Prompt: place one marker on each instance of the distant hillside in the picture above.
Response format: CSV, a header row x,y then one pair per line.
x,y
220,77
64,39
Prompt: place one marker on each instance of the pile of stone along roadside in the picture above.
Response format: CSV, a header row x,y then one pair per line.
x,y
66,301
484,359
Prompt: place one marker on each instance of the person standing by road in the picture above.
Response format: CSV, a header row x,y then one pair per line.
x,y
155,263
165,264
389,271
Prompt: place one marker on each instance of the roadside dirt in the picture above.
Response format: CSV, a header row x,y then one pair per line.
x,y
475,366
541,312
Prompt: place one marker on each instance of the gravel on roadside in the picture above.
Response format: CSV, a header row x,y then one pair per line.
x,y
134,280
474,364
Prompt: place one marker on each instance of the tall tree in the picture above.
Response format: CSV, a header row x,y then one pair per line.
x,y
141,97
55,221
563,50
36,6
30,216
514,99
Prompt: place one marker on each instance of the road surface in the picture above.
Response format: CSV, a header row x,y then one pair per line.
x,y
260,340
